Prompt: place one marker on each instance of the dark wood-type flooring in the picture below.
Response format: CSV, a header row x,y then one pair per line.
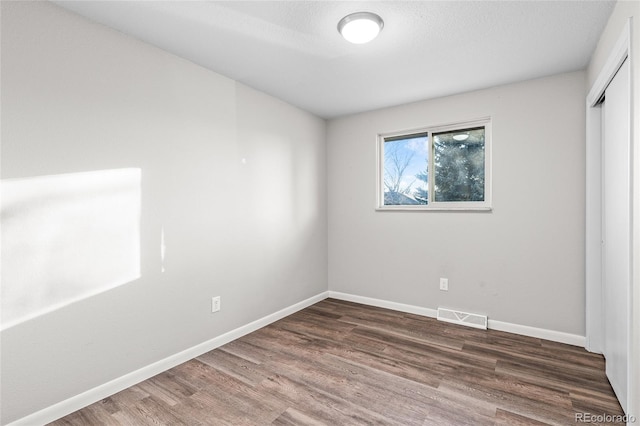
x,y
341,363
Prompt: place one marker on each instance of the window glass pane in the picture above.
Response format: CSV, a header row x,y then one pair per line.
x,y
458,158
405,170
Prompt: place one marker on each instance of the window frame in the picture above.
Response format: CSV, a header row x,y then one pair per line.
x,y
433,205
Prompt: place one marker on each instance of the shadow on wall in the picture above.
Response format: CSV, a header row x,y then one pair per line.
x,y
67,237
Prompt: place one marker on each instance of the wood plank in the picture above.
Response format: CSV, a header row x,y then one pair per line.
x,y
339,362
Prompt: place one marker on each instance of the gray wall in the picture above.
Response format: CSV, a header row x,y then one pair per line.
x,y
77,96
522,263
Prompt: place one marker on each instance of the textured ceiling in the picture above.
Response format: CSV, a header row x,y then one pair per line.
x,y
427,49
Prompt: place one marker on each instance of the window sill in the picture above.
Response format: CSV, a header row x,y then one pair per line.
x,y
433,209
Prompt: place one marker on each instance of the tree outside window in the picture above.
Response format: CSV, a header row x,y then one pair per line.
x,y
437,168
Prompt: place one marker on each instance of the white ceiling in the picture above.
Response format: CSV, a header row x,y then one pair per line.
x,y
292,49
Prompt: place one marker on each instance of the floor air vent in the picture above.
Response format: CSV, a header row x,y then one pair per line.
x,y
462,318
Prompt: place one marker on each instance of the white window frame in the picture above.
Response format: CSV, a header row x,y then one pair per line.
x,y
436,205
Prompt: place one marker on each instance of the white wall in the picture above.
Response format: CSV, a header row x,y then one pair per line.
x,y
617,21
77,96
522,263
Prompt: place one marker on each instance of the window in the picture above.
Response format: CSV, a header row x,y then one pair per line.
x,y
436,168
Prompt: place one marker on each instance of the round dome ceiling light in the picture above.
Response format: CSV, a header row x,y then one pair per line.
x,y
360,27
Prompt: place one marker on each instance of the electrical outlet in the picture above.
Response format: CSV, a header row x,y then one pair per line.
x,y
215,304
444,284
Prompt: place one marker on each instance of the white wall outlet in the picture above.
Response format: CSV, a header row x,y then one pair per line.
x,y
444,284
215,304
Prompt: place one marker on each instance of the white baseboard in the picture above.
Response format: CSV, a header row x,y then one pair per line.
x,y
410,309
525,330
540,333
77,402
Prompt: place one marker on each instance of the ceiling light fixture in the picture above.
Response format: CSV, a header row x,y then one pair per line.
x,y
360,27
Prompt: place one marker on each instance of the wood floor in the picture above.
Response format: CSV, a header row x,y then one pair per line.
x,y
341,363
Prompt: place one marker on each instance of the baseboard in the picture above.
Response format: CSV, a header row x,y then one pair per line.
x,y
410,309
540,333
525,330
77,402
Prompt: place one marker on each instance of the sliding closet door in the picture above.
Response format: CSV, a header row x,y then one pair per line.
x,y
616,230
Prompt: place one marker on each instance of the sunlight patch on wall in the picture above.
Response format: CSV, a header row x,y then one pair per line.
x,y
67,237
